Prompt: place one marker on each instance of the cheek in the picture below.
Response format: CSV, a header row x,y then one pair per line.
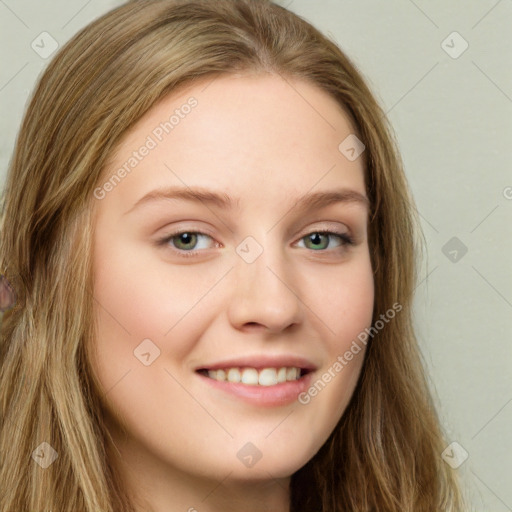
x,y
355,301
139,296
129,290
343,300
127,306
345,305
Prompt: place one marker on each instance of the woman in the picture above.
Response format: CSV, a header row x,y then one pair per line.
x,y
256,372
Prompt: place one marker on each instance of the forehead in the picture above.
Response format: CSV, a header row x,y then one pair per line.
x,y
253,135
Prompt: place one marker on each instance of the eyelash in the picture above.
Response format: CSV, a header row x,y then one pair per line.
x,y
346,240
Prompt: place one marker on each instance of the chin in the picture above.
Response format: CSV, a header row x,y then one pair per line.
x,y
264,459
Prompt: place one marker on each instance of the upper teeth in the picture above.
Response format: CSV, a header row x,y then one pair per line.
x,y
253,377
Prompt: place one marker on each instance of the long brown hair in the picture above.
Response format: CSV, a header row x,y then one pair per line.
x,y
385,453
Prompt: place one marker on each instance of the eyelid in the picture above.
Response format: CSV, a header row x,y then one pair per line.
x,y
346,238
318,227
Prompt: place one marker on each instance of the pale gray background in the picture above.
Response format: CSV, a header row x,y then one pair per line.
x,y
452,118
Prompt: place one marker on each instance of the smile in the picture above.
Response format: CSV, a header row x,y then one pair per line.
x,y
254,377
268,387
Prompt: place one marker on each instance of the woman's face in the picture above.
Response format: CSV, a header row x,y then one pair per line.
x,y
251,283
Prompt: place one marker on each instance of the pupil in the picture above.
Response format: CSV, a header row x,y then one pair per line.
x,y
315,238
185,238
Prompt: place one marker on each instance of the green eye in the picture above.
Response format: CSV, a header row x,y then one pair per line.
x,y
184,243
186,239
316,238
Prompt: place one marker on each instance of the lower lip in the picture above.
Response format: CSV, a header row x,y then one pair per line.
x,y
283,393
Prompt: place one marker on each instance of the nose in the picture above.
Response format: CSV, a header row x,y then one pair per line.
x,y
265,293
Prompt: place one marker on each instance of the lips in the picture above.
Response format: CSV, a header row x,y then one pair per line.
x,y
261,394
263,381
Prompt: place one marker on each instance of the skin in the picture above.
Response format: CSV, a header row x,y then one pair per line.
x,y
266,141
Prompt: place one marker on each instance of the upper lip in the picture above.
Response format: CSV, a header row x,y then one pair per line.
x,y
260,361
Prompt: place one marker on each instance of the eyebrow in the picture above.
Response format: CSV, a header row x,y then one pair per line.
x,y
221,200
